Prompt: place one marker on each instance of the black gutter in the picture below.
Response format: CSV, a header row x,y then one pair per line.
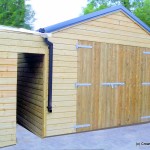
x,y
50,75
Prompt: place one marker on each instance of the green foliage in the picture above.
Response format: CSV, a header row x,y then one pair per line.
x,y
95,5
142,11
91,7
16,13
141,8
126,3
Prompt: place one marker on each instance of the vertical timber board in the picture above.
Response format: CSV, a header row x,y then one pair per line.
x,y
132,68
88,65
95,84
120,105
109,103
84,94
110,106
145,89
45,82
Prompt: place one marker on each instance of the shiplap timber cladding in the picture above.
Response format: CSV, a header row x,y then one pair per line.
x,y
114,28
63,117
13,45
8,85
30,94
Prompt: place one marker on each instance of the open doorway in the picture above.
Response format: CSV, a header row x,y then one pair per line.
x,y
30,94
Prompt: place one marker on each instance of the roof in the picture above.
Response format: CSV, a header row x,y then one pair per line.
x,y
90,16
8,28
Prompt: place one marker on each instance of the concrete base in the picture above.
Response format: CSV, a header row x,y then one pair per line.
x,y
123,138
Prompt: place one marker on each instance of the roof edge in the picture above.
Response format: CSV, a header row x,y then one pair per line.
x,y
14,29
90,16
135,18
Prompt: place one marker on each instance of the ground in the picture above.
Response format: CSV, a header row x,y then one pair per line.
x,y
122,138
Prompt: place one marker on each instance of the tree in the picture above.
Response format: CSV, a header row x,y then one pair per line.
x,y
141,8
142,11
94,5
16,13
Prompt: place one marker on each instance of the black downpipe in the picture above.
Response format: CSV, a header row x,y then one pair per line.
x,y
50,47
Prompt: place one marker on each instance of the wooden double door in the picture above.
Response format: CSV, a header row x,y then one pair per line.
x,y
110,89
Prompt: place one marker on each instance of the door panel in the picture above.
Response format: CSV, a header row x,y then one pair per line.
x,y
88,97
108,97
145,88
84,93
106,106
130,72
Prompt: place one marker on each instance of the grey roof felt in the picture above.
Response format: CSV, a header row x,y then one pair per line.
x,y
90,16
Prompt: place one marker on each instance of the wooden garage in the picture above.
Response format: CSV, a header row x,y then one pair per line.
x,y
90,73
100,72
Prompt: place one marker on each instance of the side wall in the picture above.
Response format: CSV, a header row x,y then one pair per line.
x,y
63,117
30,92
114,28
8,82
12,43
